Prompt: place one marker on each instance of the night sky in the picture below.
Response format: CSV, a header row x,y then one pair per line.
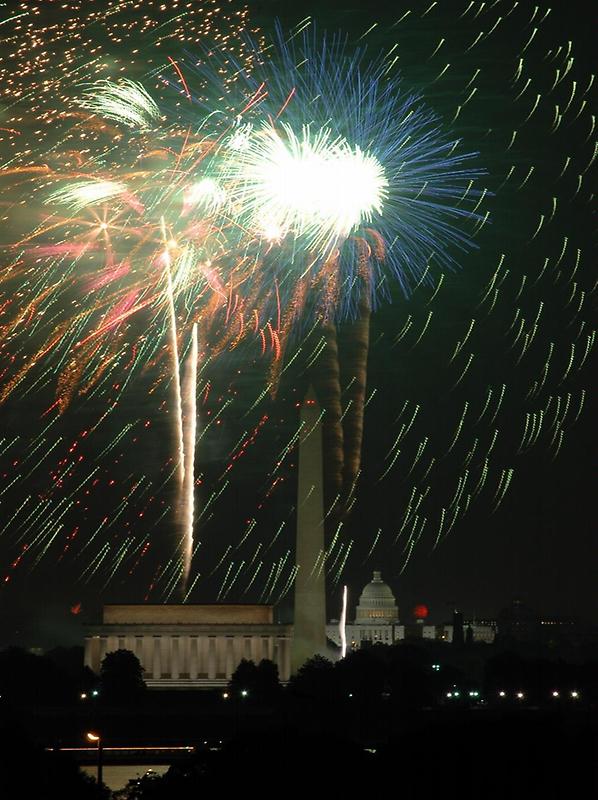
x,y
86,503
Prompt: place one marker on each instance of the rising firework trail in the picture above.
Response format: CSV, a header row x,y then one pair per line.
x,y
174,355
342,625
189,434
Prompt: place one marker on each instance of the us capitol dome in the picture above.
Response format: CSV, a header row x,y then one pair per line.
x,y
377,604
377,622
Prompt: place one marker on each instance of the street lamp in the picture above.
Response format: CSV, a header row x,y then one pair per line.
x,y
95,737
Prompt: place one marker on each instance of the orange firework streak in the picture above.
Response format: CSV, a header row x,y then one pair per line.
x,y
107,359
282,335
59,332
70,376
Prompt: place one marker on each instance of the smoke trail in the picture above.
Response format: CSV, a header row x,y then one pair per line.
x,y
342,432
328,388
357,338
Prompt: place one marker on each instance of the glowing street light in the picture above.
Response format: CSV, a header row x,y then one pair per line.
x,y
97,739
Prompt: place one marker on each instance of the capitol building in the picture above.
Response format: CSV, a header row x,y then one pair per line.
x,y
377,620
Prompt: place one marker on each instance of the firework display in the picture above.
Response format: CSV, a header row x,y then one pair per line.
x,y
213,223
47,48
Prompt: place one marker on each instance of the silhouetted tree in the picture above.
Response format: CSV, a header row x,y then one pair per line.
x,y
261,682
121,677
29,679
268,688
363,672
315,679
69,661
244,678
409,679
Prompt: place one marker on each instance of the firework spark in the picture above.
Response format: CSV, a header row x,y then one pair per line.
x,y
87,313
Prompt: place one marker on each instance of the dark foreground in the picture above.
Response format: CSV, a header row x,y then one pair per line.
x,y
482,751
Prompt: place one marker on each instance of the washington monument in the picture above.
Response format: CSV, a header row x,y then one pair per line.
x,y
309,637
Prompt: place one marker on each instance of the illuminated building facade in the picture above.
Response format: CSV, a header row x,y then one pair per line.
x,y
376,618
377,604
190,646
377,621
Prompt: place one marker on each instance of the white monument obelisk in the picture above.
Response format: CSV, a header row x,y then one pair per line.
x,y
309,631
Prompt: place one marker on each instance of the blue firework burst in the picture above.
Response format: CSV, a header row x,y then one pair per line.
x,y
428,211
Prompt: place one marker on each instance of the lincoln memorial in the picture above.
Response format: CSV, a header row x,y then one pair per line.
x,y
184,646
